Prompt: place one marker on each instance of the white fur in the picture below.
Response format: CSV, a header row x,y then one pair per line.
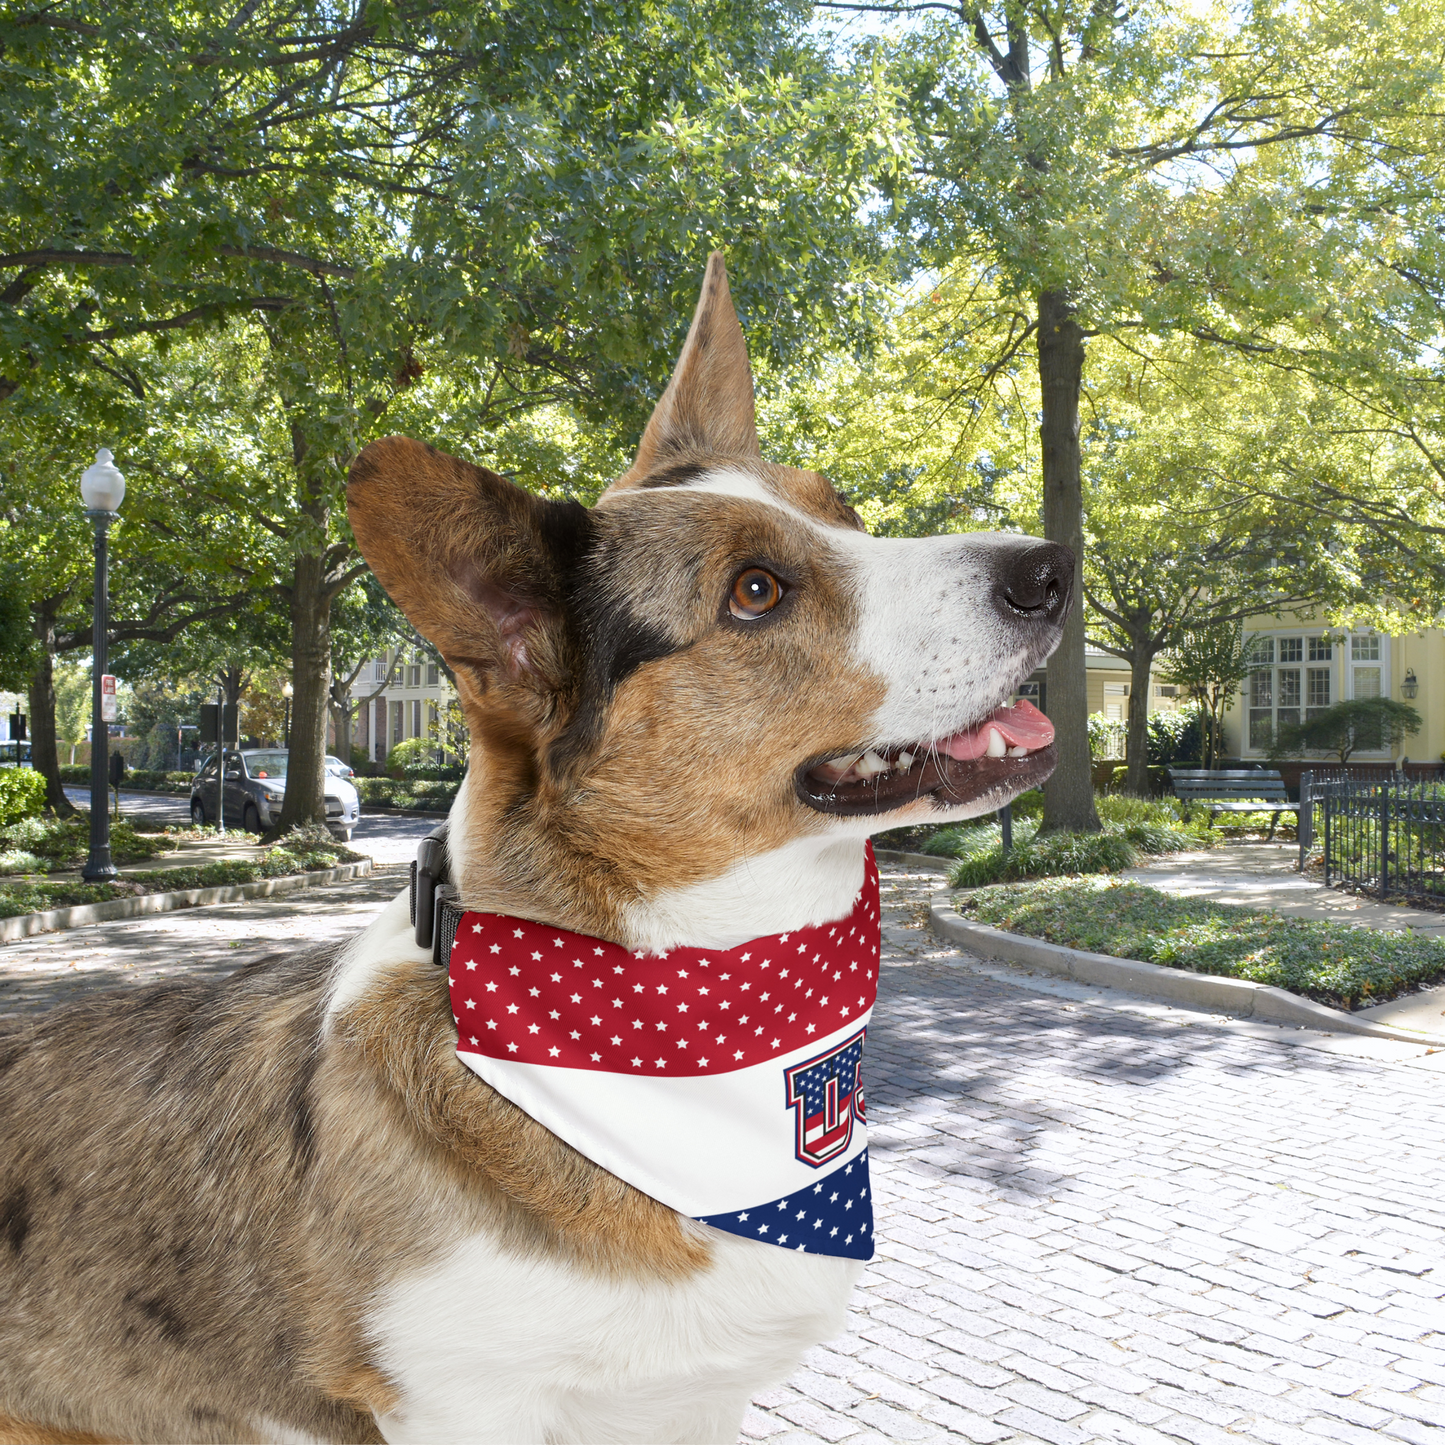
x,y
277,1433
386,942
927,624
810,880
490,1346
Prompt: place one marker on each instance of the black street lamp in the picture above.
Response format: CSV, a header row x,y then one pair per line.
x,y
102,489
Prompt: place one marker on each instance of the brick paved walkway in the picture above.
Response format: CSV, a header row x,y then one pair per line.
x,y
1098,1220
1101,1223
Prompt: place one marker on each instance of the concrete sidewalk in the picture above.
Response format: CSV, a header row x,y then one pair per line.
x,y
1263,875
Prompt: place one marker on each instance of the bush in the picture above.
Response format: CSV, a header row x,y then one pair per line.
x,y
22,795
1054,853
303,850
1176,738
413,752
1333,963
75,773
1119,779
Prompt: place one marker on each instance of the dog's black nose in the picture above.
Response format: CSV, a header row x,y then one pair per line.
x,y
1035,579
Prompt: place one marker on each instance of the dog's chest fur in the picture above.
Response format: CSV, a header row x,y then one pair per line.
x,y
535,1350
509,1342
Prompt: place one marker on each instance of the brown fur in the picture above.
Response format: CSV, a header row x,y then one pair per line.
x,y
200,1190
16,1432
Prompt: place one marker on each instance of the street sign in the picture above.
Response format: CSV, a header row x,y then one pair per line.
x,y
17,727
211,715
107,698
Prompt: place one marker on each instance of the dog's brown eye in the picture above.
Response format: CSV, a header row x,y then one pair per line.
x,y
754,593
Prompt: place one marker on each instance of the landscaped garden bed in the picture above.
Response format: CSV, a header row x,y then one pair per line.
x,y
1134,828
1331,963
25,888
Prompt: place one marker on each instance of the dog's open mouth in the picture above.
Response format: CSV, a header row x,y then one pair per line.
x,y
1010,750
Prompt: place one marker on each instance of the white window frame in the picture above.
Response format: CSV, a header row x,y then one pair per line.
x,y
1341,666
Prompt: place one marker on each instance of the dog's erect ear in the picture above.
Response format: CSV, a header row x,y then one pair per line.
x,y
708,405
476,564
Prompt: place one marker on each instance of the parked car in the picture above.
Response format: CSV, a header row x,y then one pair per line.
x,y
338,769
15,754
255,786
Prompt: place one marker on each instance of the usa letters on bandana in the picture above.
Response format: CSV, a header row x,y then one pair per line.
x,y
723,1082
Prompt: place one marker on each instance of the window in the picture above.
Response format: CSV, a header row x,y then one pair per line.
x,y
433,721
396,723
433,674
1279,691
416,718
379,672
413,676
1166,689
1369,680
1114,711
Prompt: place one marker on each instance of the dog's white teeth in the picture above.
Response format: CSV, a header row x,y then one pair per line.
x,y
1018,752
997,748
905,761
870,764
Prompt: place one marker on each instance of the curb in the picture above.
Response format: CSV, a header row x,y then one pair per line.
x,y
24,925
914,860
1220,995
372,810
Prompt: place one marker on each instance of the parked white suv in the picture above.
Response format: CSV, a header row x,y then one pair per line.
x,y
255,786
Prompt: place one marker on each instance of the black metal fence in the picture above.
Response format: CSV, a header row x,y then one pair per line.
x,y
1380,832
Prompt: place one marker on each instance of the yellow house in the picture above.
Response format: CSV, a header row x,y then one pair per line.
x,y
1107,680
1302,666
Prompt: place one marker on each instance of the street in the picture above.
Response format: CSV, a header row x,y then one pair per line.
x,y
383,837
1098,1218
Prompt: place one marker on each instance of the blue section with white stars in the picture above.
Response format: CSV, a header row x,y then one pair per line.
x,y
834,1215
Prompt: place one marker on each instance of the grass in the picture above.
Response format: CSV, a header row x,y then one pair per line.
x,y
1329,962
50,845
1133,827
305,850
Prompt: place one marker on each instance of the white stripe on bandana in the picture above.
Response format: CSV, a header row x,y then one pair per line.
x,y
722,1082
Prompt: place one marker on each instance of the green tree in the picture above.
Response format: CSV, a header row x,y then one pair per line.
x,y
1149,172
519,198
1209,663
1369,723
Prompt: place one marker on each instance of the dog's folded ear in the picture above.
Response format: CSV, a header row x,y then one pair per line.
x,y
477,564
707,409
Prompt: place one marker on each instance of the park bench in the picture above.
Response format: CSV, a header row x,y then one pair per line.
x,y
1233,790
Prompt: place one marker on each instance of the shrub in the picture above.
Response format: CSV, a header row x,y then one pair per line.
x,y
1054,853
413,752
1333,963
1176,738
22,795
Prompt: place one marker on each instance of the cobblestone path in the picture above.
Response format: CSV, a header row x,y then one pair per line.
x,y
1097,1220
1101,1223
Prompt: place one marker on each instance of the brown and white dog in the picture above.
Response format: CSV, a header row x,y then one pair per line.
x,y
278,1207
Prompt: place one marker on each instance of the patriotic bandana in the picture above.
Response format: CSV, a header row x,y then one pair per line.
x,y
722,1082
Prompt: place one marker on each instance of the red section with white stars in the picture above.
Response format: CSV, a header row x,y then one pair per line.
x,y
541,995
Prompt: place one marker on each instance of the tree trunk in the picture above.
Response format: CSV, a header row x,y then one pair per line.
x,y
43,756
1137,747
1069,794
305,800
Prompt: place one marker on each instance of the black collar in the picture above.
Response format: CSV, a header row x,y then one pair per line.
x,y
434,913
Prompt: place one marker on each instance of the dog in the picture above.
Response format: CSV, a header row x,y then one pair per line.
x,y
285,1207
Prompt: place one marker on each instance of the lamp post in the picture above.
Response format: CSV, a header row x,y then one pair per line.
x,y
286,692
102,489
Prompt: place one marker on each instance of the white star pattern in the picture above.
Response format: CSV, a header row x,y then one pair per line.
x,y
515,966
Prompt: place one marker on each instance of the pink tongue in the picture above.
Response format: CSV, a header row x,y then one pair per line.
x,y
1021,726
